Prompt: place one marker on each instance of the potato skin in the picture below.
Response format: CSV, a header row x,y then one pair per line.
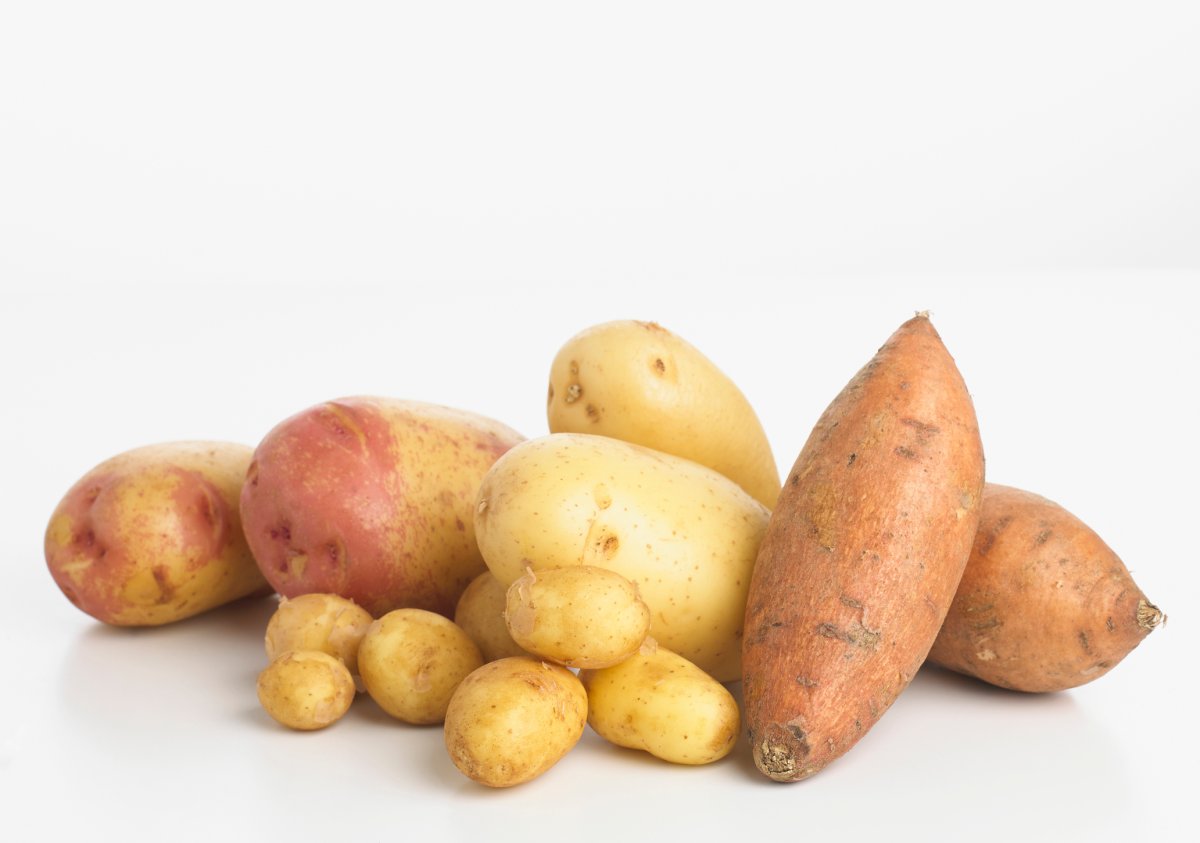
x,y
1044,603
660,702
579,616
513,719
684,534
480,614
639,382
153,535
306,689
371,499
411,661
862,556
324,622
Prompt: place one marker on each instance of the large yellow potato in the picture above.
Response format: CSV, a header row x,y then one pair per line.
x,y
639,382
513,719
659,702
153,535
684,534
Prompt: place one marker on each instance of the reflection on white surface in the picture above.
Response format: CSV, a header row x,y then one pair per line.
x,y
170,713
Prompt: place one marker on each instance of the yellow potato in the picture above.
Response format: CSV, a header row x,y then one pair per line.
x,y
323,622
684,534
153,535
660,702
582,616
638,382
480,614
306,689
411,661
513,719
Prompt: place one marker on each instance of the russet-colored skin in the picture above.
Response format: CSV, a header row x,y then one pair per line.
x,y
371,499
153,535
862,555
1044,604
639,382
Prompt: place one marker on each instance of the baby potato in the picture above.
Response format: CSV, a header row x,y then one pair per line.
x,y
513,719
639,382
480,614
306,689
411,661
323,622
660,702
582,616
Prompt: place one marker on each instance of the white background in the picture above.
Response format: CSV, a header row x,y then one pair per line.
x,y
214,215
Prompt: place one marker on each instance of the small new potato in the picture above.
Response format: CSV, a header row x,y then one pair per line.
x,y
306,689
513,719
324,622
684,534
660,702
480,614
411,661
153,535
581,616
639,382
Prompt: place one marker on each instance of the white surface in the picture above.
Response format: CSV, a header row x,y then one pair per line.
x,y
212,219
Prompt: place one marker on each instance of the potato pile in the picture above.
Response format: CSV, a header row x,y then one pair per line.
x,y
617,571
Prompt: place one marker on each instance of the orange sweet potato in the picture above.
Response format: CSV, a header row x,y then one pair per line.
x,y
862,555
1044,603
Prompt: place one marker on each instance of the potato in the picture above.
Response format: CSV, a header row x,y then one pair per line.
x,y
1044,603
411,661
684,534
513,719
306,689
862,555
582,616
371,499
153,535
480,614
638,382
660,702
323,622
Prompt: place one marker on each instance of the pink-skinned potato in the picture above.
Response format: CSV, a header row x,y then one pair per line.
x,y
372,499
153,535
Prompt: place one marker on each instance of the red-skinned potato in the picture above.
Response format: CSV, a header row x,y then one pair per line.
x,y
153,535
372,499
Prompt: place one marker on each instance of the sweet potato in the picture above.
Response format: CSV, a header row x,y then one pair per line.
x,y
1044,603
862,555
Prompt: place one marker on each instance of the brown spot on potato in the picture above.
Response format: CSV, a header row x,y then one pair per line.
x,y
593,413
924,432
574,393
1043,536
659,366
856,635
162,579
907,453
